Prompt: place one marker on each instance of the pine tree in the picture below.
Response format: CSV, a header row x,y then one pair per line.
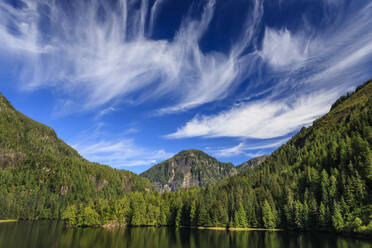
x,y
242,217
337,220
178,216
324,185
193,213
322,214
203,217
268,217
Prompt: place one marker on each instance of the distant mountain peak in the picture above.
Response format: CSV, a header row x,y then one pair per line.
x,y
252,163
186,169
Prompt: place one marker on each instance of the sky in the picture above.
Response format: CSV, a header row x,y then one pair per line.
x,y
130,83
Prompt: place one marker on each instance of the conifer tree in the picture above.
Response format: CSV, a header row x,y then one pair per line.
x,y
337,220
268,217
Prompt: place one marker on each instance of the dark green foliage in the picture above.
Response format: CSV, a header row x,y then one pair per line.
x,y
18,133
268,217
187,169
40,175
320,180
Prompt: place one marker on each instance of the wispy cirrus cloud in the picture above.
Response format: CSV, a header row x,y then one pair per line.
x,y
310,71
121,151
248,149
281,76
105,111
97,51
120,154
261,119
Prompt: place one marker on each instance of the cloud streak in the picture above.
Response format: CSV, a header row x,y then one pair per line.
x,y
96,52
119,154
120,151
260,120
276,79
246,148
310,71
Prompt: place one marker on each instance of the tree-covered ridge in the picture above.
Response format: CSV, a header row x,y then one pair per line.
x,y
252,163
320,180
187,169
40,174
19,133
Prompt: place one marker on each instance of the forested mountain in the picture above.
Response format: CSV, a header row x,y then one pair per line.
x,y
320,180
252,163
40,174
187,169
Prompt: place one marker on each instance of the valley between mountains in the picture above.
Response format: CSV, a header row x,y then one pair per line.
x,y
321,179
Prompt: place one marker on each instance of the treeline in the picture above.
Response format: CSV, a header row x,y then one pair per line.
x,y
40,175
320,180
42,186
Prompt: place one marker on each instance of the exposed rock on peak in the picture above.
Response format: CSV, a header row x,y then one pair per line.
x,y
187,169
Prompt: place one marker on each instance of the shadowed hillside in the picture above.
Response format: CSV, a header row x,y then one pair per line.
x,y
40,174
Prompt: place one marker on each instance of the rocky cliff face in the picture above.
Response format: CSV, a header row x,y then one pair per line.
x,y
187,169
251,163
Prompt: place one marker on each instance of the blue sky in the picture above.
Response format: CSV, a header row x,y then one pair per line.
x,y
130,83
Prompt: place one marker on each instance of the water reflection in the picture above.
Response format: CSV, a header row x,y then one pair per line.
x,y
54,234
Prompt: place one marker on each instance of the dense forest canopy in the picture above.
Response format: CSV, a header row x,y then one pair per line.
x,y
320,180
40,175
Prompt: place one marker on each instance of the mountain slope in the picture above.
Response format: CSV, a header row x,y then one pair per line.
x,y
40,174
21,134
252,163
187,169
321,179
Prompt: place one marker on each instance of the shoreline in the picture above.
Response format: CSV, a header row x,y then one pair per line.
x,y
10,220
238,229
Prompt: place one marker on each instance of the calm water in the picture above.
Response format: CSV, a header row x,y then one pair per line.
x,y
53,234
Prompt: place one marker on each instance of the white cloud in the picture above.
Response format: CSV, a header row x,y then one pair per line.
x,y
281,48
231,151
154,13
95,61
316,68
119,154
25,37
244,147
120,151
105,111
260,119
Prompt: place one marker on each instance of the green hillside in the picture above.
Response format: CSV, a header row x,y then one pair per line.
x,y
18,133
187,169
40,174
321,179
